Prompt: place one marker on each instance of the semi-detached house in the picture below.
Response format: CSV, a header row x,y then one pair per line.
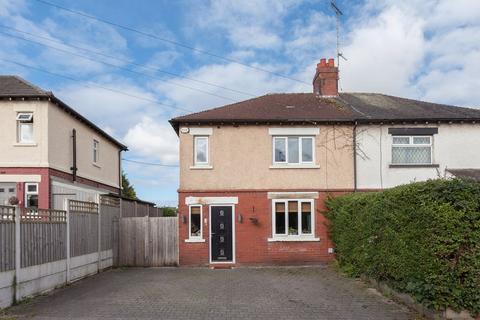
x,y
254,175
49,152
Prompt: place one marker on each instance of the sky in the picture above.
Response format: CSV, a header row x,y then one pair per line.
x,y
171,58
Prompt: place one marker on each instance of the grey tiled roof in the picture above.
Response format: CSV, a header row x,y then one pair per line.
x,y
13,86
347,107
466,173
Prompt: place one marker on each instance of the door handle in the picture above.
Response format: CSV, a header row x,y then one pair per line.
x,y
212,233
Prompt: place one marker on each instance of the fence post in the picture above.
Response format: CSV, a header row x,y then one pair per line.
x,y
66,206
121,208
135,206
99,232
147,240
18,260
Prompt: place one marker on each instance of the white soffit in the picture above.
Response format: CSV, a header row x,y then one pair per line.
x,y
20,178
211,200
201,131
294,131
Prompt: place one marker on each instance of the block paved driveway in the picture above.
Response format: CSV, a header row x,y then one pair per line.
x,y
199,293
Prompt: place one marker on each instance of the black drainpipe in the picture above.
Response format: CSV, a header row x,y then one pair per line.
x,y
74,155
355,157
120,172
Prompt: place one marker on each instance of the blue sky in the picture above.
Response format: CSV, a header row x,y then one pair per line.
x,y
423,49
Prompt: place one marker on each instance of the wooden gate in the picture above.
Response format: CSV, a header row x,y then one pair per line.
x,y
148,242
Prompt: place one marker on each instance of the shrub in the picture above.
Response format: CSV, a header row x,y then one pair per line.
x,y
422,238
169,211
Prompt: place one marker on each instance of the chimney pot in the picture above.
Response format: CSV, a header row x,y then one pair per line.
x,y
325,82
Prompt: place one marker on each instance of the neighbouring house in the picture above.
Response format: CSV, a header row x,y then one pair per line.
x,y
254,175
49,152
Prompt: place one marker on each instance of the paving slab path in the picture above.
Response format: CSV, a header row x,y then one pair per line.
x,y
198,293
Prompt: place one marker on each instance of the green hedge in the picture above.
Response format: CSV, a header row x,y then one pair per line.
x,y
422,238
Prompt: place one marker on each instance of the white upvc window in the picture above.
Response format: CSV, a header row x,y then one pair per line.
x,y
293,219
293,150
195,231
31,195
200,151
25,127
411,150
96,151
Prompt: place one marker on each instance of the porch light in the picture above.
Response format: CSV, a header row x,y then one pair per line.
x,y
240,218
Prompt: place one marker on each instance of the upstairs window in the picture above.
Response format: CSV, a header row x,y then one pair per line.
x,y
293,150
25,127
200,151
31,195
412,150
96,153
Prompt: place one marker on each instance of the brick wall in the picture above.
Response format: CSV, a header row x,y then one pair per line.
x,y
251,240
43,186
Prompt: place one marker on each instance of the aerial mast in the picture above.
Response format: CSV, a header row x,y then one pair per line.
x,y
338,14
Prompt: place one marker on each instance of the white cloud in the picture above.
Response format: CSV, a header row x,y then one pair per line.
x,y
154,139
384,53
9,7
113,109
232,76
421,49
249,24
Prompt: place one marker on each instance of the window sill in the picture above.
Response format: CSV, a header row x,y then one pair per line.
x,y
293,239
294,166
25,144
414,165
96,165
201,167
194,240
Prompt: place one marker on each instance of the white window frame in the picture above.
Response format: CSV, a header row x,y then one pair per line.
x,y
412,145
300,236
190,237
300,153
198,163
22,122
96,151
27,193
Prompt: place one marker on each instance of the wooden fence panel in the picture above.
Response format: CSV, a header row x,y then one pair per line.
x,y
7,238
163,242
142,210
148,242
108,214
83,228
42,242
128,209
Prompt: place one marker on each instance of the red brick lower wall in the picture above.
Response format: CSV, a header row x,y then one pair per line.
x,y
44,187
251,240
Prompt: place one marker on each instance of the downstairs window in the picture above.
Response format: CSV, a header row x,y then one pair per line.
x,y
293,218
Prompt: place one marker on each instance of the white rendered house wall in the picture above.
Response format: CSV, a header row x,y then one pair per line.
x,y
455,146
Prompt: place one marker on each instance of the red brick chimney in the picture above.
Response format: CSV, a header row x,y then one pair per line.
x,y
325,82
